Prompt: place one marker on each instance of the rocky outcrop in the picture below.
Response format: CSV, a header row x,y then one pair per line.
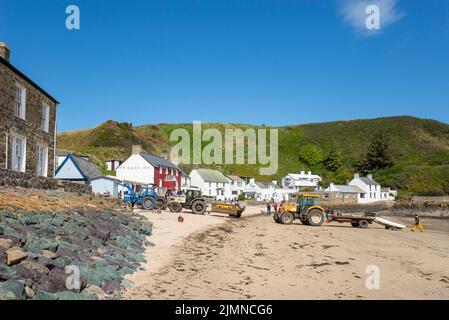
x,y
46,256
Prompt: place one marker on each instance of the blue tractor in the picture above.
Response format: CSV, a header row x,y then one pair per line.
x,y
147,198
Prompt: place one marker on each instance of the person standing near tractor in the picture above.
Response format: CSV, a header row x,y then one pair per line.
x,y
417,224
268,208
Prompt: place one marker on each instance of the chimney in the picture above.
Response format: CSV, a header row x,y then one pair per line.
x,y
356,175
137,149
4,51
274,182
309,173
331,186
370,176
302,172
164,154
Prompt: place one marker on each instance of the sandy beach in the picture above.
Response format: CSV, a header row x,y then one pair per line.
x,y
215,257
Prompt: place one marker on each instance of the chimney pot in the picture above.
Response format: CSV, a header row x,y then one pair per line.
x,y
4,51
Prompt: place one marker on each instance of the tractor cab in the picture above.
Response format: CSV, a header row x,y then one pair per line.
x,y
192,194
306,201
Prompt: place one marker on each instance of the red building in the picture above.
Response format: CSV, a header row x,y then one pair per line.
x,y
149,169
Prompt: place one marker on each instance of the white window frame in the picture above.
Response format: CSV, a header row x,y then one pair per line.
x,y
21,112
15,165
45,120
42,169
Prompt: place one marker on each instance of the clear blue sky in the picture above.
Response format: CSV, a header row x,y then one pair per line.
x,y
261,61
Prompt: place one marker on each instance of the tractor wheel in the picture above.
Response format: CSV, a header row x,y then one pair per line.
x,y
363,224
149,203
277,217
315,217
198,207
161,203
281,210
355,224
287,218
175,207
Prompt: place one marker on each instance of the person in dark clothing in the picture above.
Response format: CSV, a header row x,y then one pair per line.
x,y
268,208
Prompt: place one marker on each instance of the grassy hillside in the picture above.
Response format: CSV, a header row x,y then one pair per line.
x,y
419,147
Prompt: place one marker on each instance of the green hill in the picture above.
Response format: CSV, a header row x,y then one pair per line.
x,y
419,148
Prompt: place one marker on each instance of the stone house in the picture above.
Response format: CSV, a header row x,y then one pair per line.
x,y
27,122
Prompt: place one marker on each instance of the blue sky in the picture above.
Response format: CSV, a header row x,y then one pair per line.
x,y
274,62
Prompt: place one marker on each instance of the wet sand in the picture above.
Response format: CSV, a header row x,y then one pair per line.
x,y
211,257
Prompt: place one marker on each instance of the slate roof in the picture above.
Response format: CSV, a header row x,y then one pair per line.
x,y
369,181
156,161
209,175
264,185
348,189
87,168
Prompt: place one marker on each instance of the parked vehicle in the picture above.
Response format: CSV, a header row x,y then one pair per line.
x,y
147,198
191,200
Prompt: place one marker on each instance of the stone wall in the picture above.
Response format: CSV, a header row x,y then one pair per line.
x,y
26,180
30,128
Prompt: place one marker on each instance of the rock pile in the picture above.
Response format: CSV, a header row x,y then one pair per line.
x,y
41,253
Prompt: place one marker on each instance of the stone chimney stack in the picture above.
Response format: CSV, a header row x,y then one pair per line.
x,y
137,148
4,51
370,176
356,175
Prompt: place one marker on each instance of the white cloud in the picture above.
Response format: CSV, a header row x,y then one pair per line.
x,y
354,13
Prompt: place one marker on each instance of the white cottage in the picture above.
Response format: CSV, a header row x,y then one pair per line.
x,y
301,181
236,187
75,168
372,190
263,191
211,183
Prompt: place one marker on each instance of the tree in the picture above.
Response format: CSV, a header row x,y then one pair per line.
x,y
311,154
378,155
334,159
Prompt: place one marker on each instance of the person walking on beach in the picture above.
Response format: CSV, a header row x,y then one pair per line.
x,y
417,224
268,208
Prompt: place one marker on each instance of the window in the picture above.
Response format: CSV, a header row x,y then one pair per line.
x,y
42,160
18,147
19,101
45,118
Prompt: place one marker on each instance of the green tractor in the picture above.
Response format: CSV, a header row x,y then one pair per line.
x,y
191,200
308,211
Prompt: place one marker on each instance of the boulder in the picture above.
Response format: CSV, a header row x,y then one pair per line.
x,y
49,254
29,293
12,290
15,255
36,266
94,290
5,244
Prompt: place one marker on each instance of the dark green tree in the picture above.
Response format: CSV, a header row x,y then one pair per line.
x,y
378,155
334,159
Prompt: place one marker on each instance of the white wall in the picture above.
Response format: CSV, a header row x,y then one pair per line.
x,y
209,188
69,171
373,192
137,169
103,186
